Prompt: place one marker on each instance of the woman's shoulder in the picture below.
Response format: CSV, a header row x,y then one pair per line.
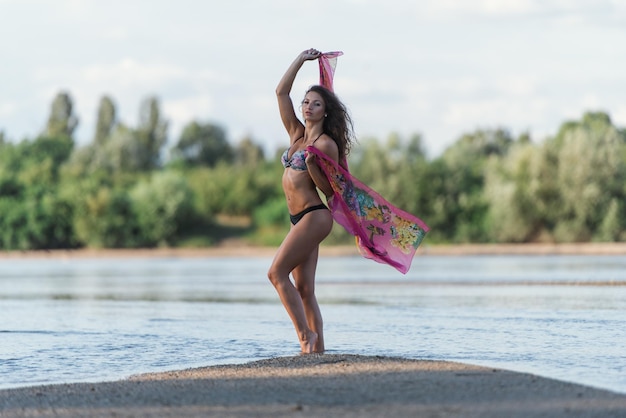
x,y
327,145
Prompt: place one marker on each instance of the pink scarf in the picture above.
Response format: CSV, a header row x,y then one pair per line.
x,y
328,62
383,232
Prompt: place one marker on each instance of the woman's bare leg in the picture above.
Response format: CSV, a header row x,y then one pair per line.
x,y
304,277
302,240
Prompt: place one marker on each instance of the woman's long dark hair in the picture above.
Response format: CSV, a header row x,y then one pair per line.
x,y
337,123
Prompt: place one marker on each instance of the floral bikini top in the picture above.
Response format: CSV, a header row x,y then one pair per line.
x,y
297,160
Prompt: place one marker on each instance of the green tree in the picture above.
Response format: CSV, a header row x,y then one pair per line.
x,y
123,151
513,189
62,121
32,164
248,153
151,134
203,144
568,189
10,164
35,219
106,120
162,205
48,222
104,216
13,230
591,174
118,148
460,208
413,179
206,192
32,216
613,226
371,163
56,150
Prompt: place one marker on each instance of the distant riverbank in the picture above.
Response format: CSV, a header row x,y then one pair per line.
x,y
255,251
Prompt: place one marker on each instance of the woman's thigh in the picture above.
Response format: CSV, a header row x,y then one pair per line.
x,y
302,241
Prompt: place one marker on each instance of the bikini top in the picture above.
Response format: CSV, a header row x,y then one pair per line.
x,y
297,160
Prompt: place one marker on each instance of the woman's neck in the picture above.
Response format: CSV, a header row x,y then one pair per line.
x,y
312,132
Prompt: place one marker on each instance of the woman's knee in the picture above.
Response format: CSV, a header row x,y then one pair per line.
x,y
275,277
272,275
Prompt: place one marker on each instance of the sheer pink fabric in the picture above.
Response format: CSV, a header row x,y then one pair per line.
x,y
383,232
328,63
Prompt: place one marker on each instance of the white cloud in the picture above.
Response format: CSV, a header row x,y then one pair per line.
x,y
129,72
517,115
7,109
471,113
115,33
179,112
619,116
569,12
462,86
516,85
485,7
590,101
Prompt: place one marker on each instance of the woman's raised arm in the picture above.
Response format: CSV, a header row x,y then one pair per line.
x,y
285,105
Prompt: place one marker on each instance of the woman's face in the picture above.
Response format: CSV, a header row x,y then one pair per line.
x,y
313,107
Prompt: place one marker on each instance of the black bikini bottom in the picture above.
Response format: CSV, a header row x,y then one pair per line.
x,y
296,218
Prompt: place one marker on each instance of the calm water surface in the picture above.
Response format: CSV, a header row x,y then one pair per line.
x,y
77,320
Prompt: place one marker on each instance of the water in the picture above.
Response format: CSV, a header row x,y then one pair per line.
x,y
63,321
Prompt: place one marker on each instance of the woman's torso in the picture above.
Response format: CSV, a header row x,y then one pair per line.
x,y
299,188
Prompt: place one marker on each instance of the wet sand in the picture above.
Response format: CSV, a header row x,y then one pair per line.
x,y
320,386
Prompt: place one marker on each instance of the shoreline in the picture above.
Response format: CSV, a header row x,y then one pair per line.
x,y
327,251
338,385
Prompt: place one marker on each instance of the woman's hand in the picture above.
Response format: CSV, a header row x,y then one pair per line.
x,y
310,158
310,54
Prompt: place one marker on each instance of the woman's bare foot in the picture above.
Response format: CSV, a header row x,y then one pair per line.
x,y
318,347
307,344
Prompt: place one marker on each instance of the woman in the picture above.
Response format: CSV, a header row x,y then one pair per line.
x,y
327,127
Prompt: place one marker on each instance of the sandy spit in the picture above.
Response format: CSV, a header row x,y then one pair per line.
x,y
336,385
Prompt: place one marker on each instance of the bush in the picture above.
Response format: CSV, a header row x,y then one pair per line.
x,y
161,205
273,212
13,230
105,219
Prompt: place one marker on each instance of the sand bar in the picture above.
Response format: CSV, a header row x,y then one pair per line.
x,y
334,385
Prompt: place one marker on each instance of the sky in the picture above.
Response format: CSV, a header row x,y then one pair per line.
x,y
439,68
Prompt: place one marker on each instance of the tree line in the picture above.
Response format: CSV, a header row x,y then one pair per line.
x,y
123,189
